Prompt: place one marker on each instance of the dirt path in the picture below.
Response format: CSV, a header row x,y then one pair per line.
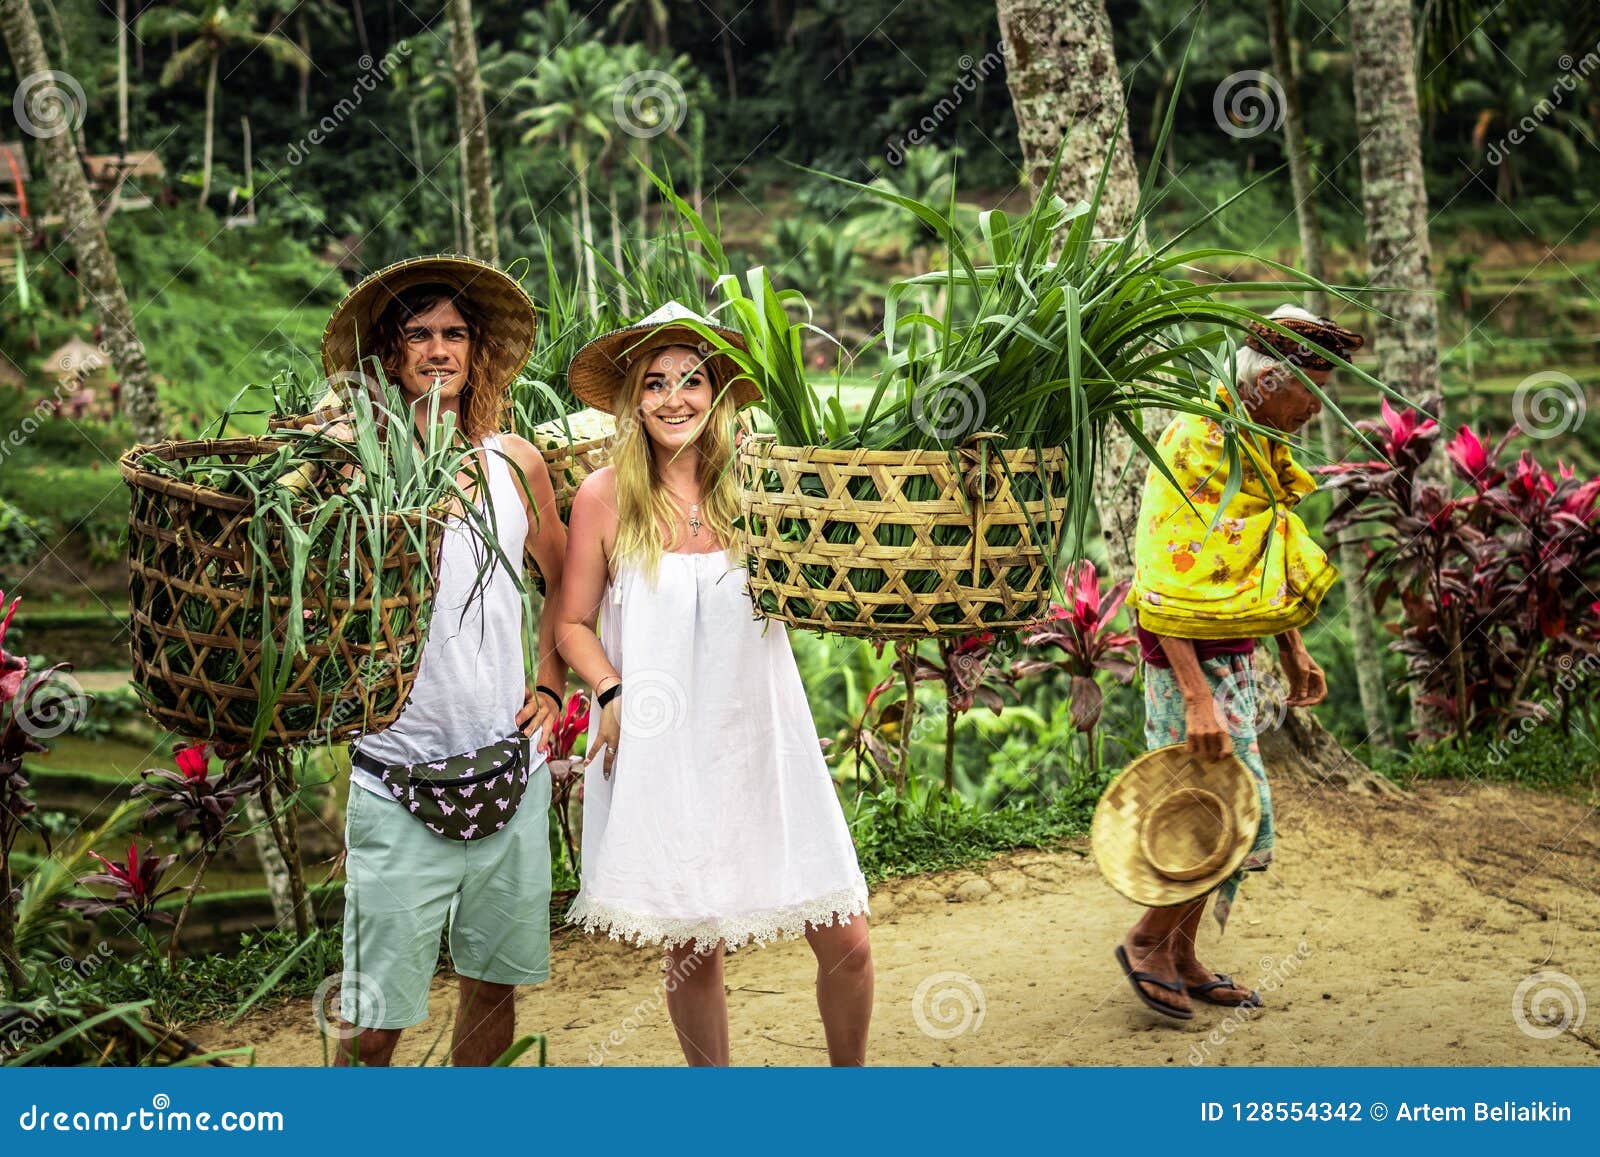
x,y
1387,933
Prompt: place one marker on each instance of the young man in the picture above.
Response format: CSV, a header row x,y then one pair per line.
x,y
452,334
1205,594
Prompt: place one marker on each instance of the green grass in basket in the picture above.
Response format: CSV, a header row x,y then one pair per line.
x,y
307,552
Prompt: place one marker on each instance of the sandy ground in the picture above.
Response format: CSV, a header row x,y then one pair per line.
x,y
1388,932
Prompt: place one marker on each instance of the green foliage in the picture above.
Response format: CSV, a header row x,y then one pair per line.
x,y
1543,758
20,536
927,830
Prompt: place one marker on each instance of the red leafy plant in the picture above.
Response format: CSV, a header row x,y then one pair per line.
x,y
566,772
1493,579
969,674
195,799
136,886
23,717
1086,645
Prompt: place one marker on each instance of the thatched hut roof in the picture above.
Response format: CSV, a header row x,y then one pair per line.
x,y
75,358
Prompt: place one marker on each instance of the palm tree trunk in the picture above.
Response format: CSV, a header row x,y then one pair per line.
x,y
85,233
616,248
1359,607
482,241
361,27
591,280
303,38
122,79
273,865
211,116
1395,204
1061,68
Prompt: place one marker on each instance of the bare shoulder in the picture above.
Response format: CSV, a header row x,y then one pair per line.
x,y
600,486
524,453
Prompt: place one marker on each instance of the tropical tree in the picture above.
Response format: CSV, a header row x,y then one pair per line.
x,y
1395,203
212,33
1511,87
824,259
1359,610
477,169
84,231
1061,68
574,88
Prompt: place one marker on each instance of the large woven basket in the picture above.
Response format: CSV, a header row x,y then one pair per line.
x,y
196,624
574,447
901,543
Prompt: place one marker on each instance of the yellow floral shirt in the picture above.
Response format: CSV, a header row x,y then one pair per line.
x,y
1248,571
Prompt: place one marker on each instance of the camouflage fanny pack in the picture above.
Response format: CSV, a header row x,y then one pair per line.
x,y
464,797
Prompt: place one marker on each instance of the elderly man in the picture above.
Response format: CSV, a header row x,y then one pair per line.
x,y
1211,579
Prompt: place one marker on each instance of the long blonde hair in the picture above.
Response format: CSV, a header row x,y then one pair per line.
x,y
647,515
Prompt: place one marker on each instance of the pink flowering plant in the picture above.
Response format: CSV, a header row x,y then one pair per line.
x,y
1494,576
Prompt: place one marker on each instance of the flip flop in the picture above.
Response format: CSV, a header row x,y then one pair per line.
x,y
1223,980
1151,1002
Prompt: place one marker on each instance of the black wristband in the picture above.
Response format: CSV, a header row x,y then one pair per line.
x,y
551,692
609,693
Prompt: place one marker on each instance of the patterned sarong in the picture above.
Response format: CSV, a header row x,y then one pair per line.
x,y
1233,685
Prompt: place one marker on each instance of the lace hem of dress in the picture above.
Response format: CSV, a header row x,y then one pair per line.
x,y
759,928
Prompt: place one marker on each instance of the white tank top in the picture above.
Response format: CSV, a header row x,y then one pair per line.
x,y
470,682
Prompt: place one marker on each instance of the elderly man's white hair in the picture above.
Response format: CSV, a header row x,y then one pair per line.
x,y
1248,363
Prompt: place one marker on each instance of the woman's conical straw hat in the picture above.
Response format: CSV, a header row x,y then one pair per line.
x,y
1171,826
510,320
596,372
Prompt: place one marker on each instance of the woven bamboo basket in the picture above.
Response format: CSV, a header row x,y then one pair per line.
x,y
901,543
196,623
574,447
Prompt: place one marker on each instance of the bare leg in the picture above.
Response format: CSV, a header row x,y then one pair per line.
x,y
486,1021
1190,970
698,1004
1152,946
844,987
365,1046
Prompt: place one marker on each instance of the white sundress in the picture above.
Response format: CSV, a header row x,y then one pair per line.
x,y
719,821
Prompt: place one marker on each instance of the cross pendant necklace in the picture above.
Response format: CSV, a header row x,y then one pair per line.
x,y
694,519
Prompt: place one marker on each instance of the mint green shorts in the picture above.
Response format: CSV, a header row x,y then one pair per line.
x,y
403,884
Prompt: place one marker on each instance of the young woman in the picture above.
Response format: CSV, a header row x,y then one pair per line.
x,y
710,820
